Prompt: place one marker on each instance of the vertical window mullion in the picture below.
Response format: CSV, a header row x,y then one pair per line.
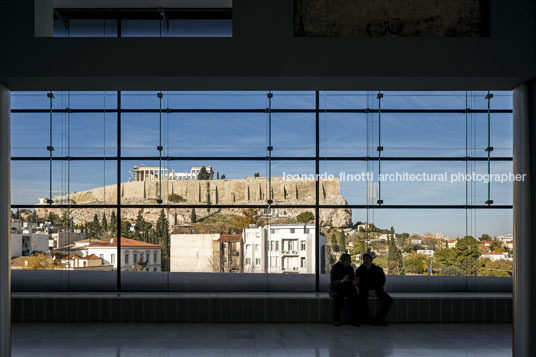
x,y
317,190
118,191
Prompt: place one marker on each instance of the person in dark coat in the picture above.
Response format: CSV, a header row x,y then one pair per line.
x,y
371,282
342,285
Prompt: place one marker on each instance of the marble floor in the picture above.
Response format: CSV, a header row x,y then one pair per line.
x,y
213,340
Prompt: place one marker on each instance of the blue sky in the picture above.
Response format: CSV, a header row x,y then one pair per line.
x,y
244,134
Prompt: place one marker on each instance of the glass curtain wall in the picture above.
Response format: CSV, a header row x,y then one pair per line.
x,y
158,188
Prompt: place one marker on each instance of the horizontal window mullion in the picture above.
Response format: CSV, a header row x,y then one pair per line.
x,y
262,110
258,158
257,206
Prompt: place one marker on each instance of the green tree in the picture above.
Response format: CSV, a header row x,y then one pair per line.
x,y
93,228
445,258
104,223
256,174
162,235
496,246
395,263
499,268
223,177
33,217
97,226
361,247
415,263
139,226
53,218
203,174
485,237
451,270
125,229
333,242
466,255
341,241
305,217
66,221
113,224
401,239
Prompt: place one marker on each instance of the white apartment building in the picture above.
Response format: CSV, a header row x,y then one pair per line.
x,y
135,255
61,239
25,243
254,258
451,243
283,248
495,256
505,237
427,252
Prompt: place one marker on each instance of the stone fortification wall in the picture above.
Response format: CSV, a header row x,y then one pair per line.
x,y
220,191
251,190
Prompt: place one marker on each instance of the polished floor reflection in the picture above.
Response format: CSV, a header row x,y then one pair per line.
x,y
213,340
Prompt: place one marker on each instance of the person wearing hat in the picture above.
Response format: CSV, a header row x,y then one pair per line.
x,y
341,286
371,282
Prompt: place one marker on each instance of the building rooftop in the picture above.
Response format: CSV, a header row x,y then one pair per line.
x,y
125,242
20,261
74,256
230,238
291,225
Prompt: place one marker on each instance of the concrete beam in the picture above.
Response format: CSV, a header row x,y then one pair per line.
x,y
5,222
264,54
524,271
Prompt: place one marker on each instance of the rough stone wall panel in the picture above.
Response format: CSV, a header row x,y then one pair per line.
x,y
388,18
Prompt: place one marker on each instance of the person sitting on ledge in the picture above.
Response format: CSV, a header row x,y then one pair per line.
x,y
371,281
342,285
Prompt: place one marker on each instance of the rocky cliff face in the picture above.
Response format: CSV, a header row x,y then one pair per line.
x,y
248,191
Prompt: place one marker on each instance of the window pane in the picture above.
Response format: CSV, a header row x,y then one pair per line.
x,y
77,182
293,100
346,99
501,188
30,134
345,134
415,182
216,100
200,28
423,100
29,100
216,134
57,240
142,28
346,182
422,134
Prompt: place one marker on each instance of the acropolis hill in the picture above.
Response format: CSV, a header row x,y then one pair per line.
x,y
251,190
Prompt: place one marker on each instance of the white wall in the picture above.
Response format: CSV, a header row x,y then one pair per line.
x,y
39,242
192,252
16,245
